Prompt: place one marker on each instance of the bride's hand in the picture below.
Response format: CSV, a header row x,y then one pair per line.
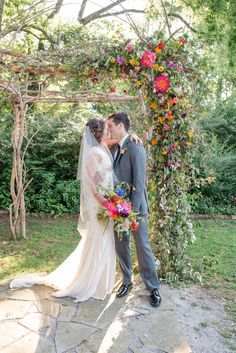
x,y
136,139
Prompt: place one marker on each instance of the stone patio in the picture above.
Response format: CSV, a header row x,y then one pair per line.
x,y
31,321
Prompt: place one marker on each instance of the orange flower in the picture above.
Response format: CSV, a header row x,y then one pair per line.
x,y
155,67
157,50
170,117
154,142
153,105
171,103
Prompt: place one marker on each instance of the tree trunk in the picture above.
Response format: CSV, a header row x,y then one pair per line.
x,y
17,209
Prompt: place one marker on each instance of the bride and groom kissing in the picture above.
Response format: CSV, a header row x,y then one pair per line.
x,y
108,156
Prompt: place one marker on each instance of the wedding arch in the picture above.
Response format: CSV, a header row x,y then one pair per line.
x,y
159,75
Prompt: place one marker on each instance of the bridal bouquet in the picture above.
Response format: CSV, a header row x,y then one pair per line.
x,y
118,208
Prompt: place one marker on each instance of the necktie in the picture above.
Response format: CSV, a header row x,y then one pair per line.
x,y
117,154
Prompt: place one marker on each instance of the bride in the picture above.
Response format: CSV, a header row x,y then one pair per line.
x,y
90,269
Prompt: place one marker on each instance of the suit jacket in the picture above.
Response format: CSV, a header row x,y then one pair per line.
x,y
131,168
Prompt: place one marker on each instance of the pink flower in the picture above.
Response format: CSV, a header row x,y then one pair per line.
x,y
148,58
111,208
129,47
175,100
162,83
174,145
123,75
126,206
103,53
177,164
180,68
165,127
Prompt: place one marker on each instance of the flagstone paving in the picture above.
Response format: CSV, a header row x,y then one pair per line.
x,y
32,321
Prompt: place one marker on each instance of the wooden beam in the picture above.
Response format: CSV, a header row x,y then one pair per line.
x,y
102,99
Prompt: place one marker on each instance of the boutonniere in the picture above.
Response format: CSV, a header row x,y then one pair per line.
x,y
123,150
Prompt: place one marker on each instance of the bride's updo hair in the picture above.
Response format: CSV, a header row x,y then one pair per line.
x,y
97,127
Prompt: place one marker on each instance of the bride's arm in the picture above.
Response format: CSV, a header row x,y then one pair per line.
x,y
95,175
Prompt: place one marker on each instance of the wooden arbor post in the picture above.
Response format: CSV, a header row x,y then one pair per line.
x,y
18,183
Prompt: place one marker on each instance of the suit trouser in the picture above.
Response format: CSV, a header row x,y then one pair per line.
x,y
146,262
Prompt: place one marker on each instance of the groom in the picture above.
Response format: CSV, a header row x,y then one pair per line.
x,y
130,167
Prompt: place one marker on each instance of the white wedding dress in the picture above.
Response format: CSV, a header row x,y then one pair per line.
x,y
90,270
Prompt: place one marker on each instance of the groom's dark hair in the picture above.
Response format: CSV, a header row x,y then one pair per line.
x,y
120,118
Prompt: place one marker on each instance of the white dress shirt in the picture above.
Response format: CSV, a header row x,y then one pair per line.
x,y
121,142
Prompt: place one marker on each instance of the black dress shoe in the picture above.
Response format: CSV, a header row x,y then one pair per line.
x,y
155,298
124,290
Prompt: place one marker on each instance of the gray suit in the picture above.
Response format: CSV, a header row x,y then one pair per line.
x,y
131,168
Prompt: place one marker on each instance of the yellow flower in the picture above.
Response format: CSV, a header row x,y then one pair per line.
x,y
164,152
190,134
188,143
161,69
155,67
132,62
184,101
157,50
161,119
138,83
112,60
153,105
136,63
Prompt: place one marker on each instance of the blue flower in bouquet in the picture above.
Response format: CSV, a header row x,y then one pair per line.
x,y
120,192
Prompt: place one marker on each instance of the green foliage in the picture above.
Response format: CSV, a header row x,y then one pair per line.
x,y
51,159
47,195
217,157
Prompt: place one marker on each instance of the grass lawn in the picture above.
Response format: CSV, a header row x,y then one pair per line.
x,y
213,253
51,240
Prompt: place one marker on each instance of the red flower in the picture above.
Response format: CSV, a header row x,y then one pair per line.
x,y
95,79
148,58
162,83
161,45
91,72
134,226
112,89
115,198
182,41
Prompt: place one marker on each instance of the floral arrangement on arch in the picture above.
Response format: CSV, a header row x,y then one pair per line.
x,y
159,70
